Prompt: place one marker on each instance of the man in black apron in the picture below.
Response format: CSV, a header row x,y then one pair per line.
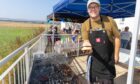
x,y
104,38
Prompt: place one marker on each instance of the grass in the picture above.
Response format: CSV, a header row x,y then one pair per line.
x,y
12,37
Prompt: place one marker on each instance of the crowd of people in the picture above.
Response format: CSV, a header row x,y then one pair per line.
x,y
57,31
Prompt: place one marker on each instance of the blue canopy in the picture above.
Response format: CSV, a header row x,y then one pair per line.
x,y
77,9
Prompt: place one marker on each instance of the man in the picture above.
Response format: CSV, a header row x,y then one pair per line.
x,y
102,35
126,38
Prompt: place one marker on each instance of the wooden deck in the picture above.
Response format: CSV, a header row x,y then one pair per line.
x,y
78,65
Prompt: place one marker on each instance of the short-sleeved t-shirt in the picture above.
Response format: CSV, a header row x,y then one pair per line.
x,y
110,27
126,35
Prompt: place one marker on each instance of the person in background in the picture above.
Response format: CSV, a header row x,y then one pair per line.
x,y
101,36
49,38
69,30
75,35
50,30
126,37
56,34
64,30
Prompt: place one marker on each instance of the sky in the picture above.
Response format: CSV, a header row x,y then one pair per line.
x,y
26,9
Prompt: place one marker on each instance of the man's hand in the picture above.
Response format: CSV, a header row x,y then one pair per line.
x,y
86,47
116,59
117,49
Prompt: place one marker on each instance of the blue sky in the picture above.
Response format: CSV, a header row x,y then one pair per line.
x,y
26,9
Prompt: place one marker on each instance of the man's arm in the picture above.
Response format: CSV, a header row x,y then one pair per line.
x,y
117,49
86,44
116,35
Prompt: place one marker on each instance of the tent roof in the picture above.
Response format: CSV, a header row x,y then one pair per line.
x,y
76,9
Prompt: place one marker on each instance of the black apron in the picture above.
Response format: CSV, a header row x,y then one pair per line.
x,y
102,65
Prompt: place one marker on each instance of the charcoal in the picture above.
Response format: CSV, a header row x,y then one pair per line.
x,y
52,70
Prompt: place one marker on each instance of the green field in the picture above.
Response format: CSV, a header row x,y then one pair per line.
x,y
13,37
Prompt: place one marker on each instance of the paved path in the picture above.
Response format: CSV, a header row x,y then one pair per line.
x,y
121,70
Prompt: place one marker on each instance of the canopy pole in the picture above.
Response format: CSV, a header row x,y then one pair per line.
x,y
53,19
130,75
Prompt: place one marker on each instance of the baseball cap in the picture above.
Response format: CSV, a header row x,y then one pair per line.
x,y
93,1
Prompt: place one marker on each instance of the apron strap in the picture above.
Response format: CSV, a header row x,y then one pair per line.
x,y
90,27
101,19
103,26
